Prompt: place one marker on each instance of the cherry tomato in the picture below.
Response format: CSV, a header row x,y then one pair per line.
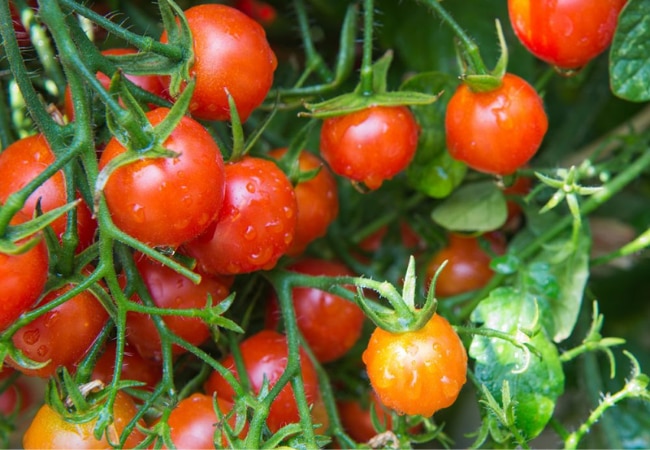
x,y
468,266
371,145
261,11
417,372
62,335
49,429
167,201
330,324
565,33
230,53
134,367
170,290
318,201
265,356
194,421
256,224
151,83
22,278
498,131
23,161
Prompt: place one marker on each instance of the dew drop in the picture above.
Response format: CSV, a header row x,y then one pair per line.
x,y
250,233
137,212
42,350
31,337
250,187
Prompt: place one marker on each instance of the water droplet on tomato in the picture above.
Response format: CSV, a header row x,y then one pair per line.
x,y
187,200
137,212
288,238
42,350
250,187
250,233
31,337
288,212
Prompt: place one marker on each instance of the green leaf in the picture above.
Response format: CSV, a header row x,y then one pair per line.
x,y
473,207
557,274
629,65
534,387
432,170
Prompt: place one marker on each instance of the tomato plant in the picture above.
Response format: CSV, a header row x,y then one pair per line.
x,y
49,429
497,131
256,223
371,145
264,357
417,372
231,56
245,224
167,201
330,324
567,34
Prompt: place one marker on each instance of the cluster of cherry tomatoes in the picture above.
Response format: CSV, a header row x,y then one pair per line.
x,y
239,214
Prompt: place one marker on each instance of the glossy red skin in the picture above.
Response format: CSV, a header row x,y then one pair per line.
x,y
468,265
22,278
231,52
417,372
171,290
371,145
265,355
134,367
318,201
261,11
193,421
23,161
149,83
357,420
565,33
62,335
256,224
167,201
48,429
498,131
330,324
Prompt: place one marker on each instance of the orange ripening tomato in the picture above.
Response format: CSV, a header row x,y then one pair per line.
x,y
49,429
417,372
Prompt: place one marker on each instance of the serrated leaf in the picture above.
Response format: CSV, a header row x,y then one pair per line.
x,y
432,170
534,387
475,207
629,65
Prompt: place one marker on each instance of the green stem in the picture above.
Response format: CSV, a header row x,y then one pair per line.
x,y
638,244
367,76
314,59
477,66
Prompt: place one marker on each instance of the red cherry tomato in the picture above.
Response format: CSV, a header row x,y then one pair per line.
x,y
167,201
265,356
318,201
15,397
468,266
371,145
256,224
170,290
231,54
330,324
22,278
565,33
62,335
151,83
49,429
193,421
417,372
498,131
23,161
134,367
